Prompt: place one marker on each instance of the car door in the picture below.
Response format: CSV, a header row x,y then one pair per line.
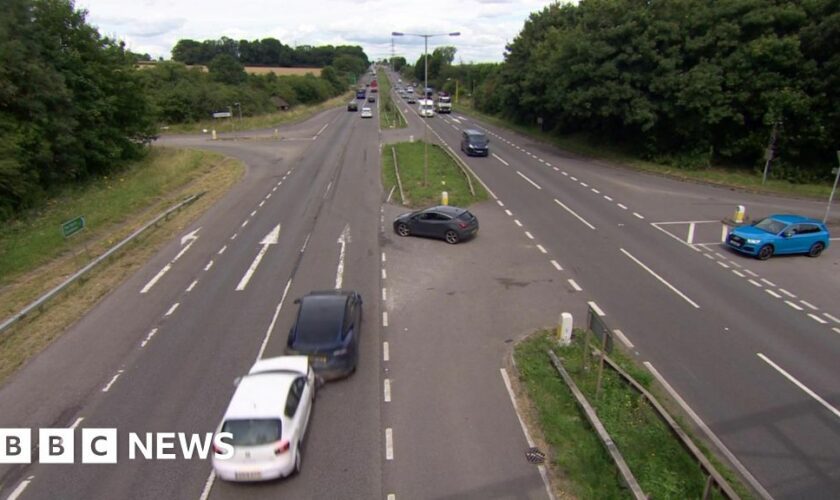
x,y
351,326
785,242
421,224
440,224
806,235
293,404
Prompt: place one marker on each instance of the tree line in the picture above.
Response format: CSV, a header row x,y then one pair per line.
x,y
74,106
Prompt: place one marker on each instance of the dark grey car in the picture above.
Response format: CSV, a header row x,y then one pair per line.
x,y
451,224
475,143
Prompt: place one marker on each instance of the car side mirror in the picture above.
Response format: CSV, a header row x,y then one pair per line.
x,y
787,234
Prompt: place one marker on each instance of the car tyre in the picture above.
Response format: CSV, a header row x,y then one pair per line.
x,y
816,249
765,252
451,237
402,229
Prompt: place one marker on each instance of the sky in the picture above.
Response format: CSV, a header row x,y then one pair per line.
x,y
154,26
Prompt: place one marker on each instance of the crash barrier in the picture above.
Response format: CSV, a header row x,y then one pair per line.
x,y
397,172
39,303
458,161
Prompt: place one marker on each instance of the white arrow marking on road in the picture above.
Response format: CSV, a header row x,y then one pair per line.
x,y
191,238
343,240
270,239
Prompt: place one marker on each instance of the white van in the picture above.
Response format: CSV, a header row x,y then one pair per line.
x,y
426,108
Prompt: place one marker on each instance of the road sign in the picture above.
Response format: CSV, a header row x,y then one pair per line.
x,y
72,226
222,114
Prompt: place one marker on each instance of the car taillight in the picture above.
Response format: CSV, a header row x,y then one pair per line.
x,y
463,225
283,447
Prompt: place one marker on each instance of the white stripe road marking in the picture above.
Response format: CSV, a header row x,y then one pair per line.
x,y
638,215
384,294
623,207
690,238
270,239
384,318
384,274
274,320
799,384
233,237
556,265
751,273
787,293
548,164
529,235
793,305
253,213
222,250
573,213
573,178
77,422
555,168
148,337
109,384
565,173
383,256
574,285
541,160
623,338
158,276
809,305
529,180
723,265
262,203
832,318
387,390
172,309
245,223
499,202
342,240
595,308
208,485
19,490
501,160
709,256
389,444
584,184
733,263
508,212
386,351
595,191
771,292
756,283
541,249
192,285
768,282
738,273
208,266
517,222
662,280
817,318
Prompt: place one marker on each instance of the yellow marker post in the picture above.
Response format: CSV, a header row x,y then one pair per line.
x,y
740,214
444,198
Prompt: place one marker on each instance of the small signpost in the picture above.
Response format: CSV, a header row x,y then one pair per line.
x,y
222,114
836,172
72,226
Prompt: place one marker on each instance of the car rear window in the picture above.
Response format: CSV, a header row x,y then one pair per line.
x,y
320,319
466,216
254,432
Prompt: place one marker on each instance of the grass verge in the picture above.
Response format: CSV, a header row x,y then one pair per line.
x,y
36,258
444,175
719,176
659,462
389,115
297,113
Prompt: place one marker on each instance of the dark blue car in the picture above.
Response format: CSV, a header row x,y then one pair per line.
x,y
780,234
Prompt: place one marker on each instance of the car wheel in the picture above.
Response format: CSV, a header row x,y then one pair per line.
x,y
816,249
765,252
451,237
297,458
402,229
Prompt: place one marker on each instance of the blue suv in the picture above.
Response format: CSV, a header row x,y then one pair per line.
x,y
780,234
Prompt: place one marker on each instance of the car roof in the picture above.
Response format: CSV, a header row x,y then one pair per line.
x,y
324,315
262,394
291,364
446,209
472,131
793,219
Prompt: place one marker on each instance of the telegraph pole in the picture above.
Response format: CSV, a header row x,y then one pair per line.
x,y
771,149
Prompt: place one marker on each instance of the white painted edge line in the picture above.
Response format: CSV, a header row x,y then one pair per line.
x,y
109,384
384,274
709,434
501,160
590,226
274,320
817,318
172,309
799,384
205,493
662,280
222,250
516,221
499,202
793,305
787,293
738,273
751,273
832,318
638,215
192,285
723,264
384,294
541,248
768,282
386,351
508,212
385,318
623,338
656,225
19,490
528,438
529,235
755,283
557,266
608,198
621,206
529,180
774,294
574,285
389,444
155,279
595,308
809,305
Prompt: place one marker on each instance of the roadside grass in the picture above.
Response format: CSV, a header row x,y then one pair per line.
x,y
717,175
35,258
297,113
389,115
658,461
444,175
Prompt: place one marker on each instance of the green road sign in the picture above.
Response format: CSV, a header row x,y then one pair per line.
x,y
72,226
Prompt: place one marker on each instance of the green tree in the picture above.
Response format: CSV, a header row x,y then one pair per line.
x,y
225,68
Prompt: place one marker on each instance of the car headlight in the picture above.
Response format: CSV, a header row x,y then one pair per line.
x,y
753,242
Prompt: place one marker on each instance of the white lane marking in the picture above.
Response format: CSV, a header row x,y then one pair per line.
x,y
343,240
541,160
384,294
529,235
383,257
208,266
172,309
273,189
738,273
158,276
809,305
574,285
710,257
262,203
148,337
595,308
205,493
817,318
500,203
77,422
768,282
711,435
245,223
508,212
595,191
832,318
565,173
638,215
555,168
501,160
233,237
656,225
755,283
384,274
528,438
724,230
109,384
556,265
192,285
735,264
389,444
20,488
774,294
836,330
621,206
517,222
751,273
270,239
799,384
660,278
253,213
787,293
723,264
793,305
384,318
322,129
623,338
305,242
222,250
573,178
387,390
575,214
690,238
584,184
274,320
386,351
541,248
529,180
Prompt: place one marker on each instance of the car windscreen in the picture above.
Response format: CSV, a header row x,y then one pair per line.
x,y
770,225
253,432
320,320
478,139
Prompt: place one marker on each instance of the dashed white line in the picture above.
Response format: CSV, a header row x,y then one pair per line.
x,y
595,308
556,169
253,213
262,203
275,188
389,444
172,309
192,285
541,248
607,198
508,212
529,235
548,164
383,257
77,422
516,221
832,318
799,384
661,280
573,178
738,273
556,265
245,223
268,196
793,305
638,215
787,293
387,390
817,318
723,264
836,330
222,250
755,283
386,351
208,266
623,338
710,256
751,273
565,173
574,285
595,191
499,202
109,384
148,337
774,294
529,180
809,305
384,318
590,226
584,184
20,488
501,160
233,237
384,294
768,282
623,207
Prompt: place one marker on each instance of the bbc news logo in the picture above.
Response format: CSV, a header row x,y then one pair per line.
x,y
100,446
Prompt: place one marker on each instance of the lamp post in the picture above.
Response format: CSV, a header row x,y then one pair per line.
x,y
426,37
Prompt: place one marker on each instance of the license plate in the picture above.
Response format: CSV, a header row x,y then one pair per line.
x,y
735,243
320,360
248,476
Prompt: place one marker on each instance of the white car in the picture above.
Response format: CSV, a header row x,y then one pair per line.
x,y
367,113
267,417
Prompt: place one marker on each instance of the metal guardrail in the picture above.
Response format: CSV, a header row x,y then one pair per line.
x,y
458,161
43,299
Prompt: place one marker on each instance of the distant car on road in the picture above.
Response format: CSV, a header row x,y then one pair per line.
x,y
412,99
780,234
366,112
371,98
352,106
327,329
451,224
267,417
475,143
